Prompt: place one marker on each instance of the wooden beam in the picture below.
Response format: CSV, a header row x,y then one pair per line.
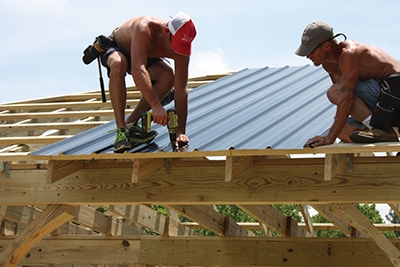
x,y
301,184
32,139
327,213
307,218
353,216
274,219
333,162
232,228
49,126
60,115
204,215
316,226
56,170
234,166
151,219
206,251
143,168
56,105
51,218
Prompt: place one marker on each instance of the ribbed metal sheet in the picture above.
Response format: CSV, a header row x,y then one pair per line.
x,y
250,109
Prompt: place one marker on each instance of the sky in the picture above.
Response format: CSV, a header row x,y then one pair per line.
x,y
43,40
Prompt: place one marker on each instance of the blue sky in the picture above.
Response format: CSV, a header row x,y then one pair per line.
x,y
43,40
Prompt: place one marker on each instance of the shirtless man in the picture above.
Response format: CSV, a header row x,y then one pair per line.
x,y
140,46
354,69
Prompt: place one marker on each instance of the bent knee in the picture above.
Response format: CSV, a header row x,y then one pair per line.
x,y
333,93
118,64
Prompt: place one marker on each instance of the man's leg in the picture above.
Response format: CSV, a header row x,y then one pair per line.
x,y
163,76
117,66
366,95
359,111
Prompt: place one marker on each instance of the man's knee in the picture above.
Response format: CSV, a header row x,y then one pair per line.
x,y
163,73
118,64
333,93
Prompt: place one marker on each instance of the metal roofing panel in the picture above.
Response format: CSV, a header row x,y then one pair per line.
x,y
250,109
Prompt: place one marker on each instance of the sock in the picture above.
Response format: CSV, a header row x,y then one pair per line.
x,y
367,121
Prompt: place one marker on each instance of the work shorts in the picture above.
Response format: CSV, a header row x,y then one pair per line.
x,y
368,91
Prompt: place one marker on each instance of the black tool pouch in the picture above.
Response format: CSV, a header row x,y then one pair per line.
x,y
387,109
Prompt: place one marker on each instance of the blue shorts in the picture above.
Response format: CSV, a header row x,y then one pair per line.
x,y
368,91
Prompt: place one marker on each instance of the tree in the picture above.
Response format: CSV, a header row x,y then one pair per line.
x,y
393,218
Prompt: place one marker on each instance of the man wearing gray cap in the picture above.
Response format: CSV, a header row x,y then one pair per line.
x,y
358,72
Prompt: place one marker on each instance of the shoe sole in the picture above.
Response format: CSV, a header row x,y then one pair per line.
x,y
142,141
357,138
122,149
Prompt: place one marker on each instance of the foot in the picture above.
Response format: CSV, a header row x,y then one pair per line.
x,y
374,136
121,143
138,136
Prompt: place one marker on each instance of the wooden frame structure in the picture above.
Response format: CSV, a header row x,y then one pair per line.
x,y
96,209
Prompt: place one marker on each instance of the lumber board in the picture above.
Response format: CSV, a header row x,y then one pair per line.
x,y
207,251
60,114
276,184
50,125
33,139
51,218
353,216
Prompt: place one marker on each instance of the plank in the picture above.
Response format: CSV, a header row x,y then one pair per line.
x,y
236,165
56,170
51,218
143,168
258,185
353,216
207,251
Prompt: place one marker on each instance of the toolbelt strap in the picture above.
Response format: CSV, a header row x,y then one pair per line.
x,y
387,109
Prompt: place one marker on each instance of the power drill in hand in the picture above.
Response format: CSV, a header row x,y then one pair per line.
x,y
172,123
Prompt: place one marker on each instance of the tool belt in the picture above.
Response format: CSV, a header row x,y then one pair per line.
x,y
387,109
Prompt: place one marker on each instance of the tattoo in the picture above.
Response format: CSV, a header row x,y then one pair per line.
x,y
348,89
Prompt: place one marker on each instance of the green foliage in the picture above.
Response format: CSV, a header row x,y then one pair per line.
x,y
290,210
393,218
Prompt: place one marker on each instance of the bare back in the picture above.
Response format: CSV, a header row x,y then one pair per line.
x,y
143,31
374,63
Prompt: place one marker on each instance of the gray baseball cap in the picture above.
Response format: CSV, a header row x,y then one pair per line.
x,y
314,34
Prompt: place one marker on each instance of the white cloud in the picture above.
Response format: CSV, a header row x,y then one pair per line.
x,y
208,62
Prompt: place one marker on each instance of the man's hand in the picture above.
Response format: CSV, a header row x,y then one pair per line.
x,y
160,115
181,140
318,141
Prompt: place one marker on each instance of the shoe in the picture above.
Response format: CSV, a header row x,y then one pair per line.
x,y
121,143
137,135
374,136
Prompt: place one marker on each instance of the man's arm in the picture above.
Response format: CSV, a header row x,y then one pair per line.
x,y
181,94
349,64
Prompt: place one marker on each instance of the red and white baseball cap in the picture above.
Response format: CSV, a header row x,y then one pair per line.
x,y
183,32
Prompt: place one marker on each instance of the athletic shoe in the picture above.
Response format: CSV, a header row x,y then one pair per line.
x,y
121,143
374,136
138,136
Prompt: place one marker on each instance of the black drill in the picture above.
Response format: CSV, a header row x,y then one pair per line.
x,y
172,123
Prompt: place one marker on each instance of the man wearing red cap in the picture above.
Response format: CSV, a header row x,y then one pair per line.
x,y
365,83
140,47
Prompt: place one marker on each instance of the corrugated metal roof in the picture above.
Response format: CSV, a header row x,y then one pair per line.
x,y
251,109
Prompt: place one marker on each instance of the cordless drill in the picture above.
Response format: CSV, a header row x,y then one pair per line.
x,y
172,123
